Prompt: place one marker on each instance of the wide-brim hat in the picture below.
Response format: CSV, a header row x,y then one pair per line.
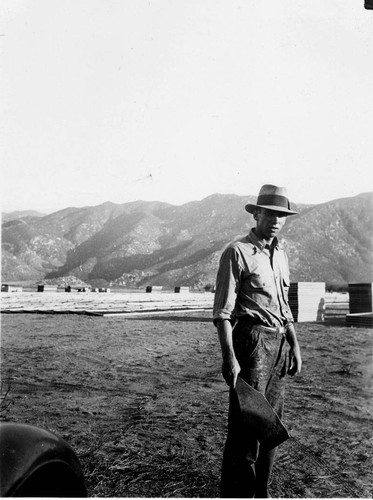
x,y
273,198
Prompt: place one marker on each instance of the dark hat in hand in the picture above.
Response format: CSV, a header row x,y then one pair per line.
x,y
259,416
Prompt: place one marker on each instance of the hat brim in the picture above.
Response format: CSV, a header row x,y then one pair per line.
x,y
250,207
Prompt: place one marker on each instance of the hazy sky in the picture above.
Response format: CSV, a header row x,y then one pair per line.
x,y
174,100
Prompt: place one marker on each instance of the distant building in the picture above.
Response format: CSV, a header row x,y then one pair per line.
x,y
11,288
77,289
47,288
150,289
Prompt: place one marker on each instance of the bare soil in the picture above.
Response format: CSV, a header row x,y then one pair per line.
x,y
144,406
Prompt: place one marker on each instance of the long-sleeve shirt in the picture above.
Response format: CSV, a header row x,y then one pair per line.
x,y
253,282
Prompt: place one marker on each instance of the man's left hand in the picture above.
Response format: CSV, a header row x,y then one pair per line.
x,y
295,364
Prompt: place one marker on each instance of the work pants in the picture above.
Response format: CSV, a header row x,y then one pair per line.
x,y
262,357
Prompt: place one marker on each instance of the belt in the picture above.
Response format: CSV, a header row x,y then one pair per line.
x,y
273,329
270,329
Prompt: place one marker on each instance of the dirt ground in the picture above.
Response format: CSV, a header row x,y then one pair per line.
x,y
144,406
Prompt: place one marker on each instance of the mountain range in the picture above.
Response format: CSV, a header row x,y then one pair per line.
x,y
141,243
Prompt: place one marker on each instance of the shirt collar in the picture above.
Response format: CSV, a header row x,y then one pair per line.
x,y
260,244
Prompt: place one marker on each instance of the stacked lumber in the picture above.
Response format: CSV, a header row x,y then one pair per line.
x,y
360,319
103,304
337,305
360,297
307,301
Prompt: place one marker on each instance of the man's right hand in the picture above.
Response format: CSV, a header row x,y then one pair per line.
x,y
230,370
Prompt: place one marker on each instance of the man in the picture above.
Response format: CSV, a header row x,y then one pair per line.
x,y
253,320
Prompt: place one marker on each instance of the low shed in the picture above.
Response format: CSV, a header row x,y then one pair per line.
x,y
47,288
11,288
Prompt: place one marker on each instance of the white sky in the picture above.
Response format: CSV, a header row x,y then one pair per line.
x,y
174,100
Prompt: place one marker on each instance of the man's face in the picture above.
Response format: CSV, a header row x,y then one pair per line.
x,y
268,223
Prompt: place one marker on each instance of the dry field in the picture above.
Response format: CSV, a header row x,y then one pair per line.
x,y
143,404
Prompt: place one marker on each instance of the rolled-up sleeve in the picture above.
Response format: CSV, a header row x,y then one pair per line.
x,y
227,283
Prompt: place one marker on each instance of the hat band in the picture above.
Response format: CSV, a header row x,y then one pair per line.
x,y
273,199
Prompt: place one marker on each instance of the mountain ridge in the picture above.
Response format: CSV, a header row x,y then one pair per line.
x,y
141,243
